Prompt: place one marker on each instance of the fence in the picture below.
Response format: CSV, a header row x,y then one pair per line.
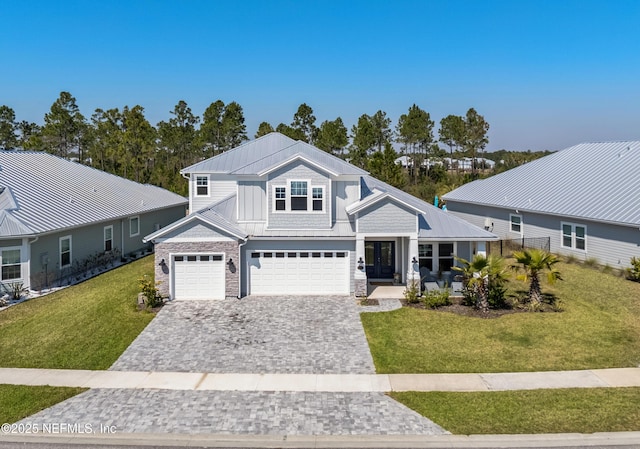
x,y
506,247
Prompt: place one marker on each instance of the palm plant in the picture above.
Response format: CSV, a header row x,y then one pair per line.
x,y
480,275
532,263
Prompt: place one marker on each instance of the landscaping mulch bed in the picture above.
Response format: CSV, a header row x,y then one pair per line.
x,y
457,306
369,302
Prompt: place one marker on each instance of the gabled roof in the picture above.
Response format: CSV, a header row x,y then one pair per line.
x,y
591,181
214,215
45,193
269,152
375,197
433,223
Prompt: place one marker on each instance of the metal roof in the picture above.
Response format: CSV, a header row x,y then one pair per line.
x,y
269,152
433,223
52,193
592,181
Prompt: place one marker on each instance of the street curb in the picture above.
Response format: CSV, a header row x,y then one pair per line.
x,y
335,441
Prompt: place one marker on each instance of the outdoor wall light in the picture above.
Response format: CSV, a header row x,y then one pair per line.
x,y
162,263
414,260
360,264
230,261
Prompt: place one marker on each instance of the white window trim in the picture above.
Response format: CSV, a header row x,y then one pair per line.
x,y
208,178
573,236
104,235
288,190
137,217
11,248
69,237
286,198
521,232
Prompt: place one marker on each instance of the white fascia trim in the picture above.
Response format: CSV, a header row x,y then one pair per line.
x,y
292,159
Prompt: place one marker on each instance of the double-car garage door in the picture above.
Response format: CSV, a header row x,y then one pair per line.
x,y
198,276
298,272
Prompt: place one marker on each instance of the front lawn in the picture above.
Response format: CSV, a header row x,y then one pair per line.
x,y
599,328
19,401
86,326
578,410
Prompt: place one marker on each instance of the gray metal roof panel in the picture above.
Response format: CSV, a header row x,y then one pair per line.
x,y
338,230
593,181
434,223
52,193
12,227
267,152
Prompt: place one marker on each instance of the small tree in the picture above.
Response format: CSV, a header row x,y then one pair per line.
x,y
481,275
532,263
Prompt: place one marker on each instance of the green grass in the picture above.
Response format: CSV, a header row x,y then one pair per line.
x,y
86,326
18,401
539,411
599,328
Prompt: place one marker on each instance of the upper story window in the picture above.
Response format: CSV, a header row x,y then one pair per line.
x,y
515,223
574,236
318,198
298,196
299,200
281,198
202,186
11,268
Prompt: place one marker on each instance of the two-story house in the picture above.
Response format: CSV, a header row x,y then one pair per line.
x,y
276,216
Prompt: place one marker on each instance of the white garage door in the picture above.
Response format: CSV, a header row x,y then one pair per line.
x,y
299,272
198,276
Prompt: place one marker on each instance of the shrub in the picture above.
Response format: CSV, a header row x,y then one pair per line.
x,y
153,298
497,298
436,298
15,290
412,292
591,262
633,273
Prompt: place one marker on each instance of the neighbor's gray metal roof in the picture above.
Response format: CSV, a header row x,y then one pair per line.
x,y
433,223
52,193
267,152
592,181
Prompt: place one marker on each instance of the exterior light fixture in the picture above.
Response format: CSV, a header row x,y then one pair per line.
x,y
162,263
414,260
360,264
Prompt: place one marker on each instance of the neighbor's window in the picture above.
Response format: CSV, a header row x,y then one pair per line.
x,y
318,196
65,251
134,226
516,223
281,198
298,195
574,236
11,264
202,186
108,238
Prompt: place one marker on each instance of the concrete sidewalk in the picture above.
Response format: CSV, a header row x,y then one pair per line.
x,y
605,378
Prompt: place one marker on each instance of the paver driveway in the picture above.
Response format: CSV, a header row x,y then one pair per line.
x,y
319,335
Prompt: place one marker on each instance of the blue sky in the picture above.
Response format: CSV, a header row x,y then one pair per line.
x,y
545,74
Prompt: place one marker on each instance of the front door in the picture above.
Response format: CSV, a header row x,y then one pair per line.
x,y
380,258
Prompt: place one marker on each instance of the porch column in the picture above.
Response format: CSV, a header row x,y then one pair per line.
x,y
481,249
413,273
359,266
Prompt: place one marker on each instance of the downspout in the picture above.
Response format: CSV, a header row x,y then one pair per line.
x,y
240,267
188,178
122,239
29,262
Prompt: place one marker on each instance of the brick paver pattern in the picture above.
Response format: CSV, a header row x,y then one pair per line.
x,y
306,335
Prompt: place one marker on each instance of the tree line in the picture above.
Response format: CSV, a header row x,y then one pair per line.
x,y
125,143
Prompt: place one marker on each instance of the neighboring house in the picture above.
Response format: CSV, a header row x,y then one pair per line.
x,y
277,216
585,198
56,214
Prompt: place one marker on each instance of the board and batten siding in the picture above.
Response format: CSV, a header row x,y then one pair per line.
x,y
220,187
344,194
251,201
299,171
609,244
385,217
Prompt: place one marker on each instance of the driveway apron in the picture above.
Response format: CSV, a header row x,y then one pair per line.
x,y
311,335
308,335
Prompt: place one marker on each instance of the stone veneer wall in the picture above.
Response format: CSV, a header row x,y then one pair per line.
x,y
361,288
230,250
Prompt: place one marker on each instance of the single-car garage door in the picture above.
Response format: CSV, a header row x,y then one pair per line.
x,y
299,273
198,276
